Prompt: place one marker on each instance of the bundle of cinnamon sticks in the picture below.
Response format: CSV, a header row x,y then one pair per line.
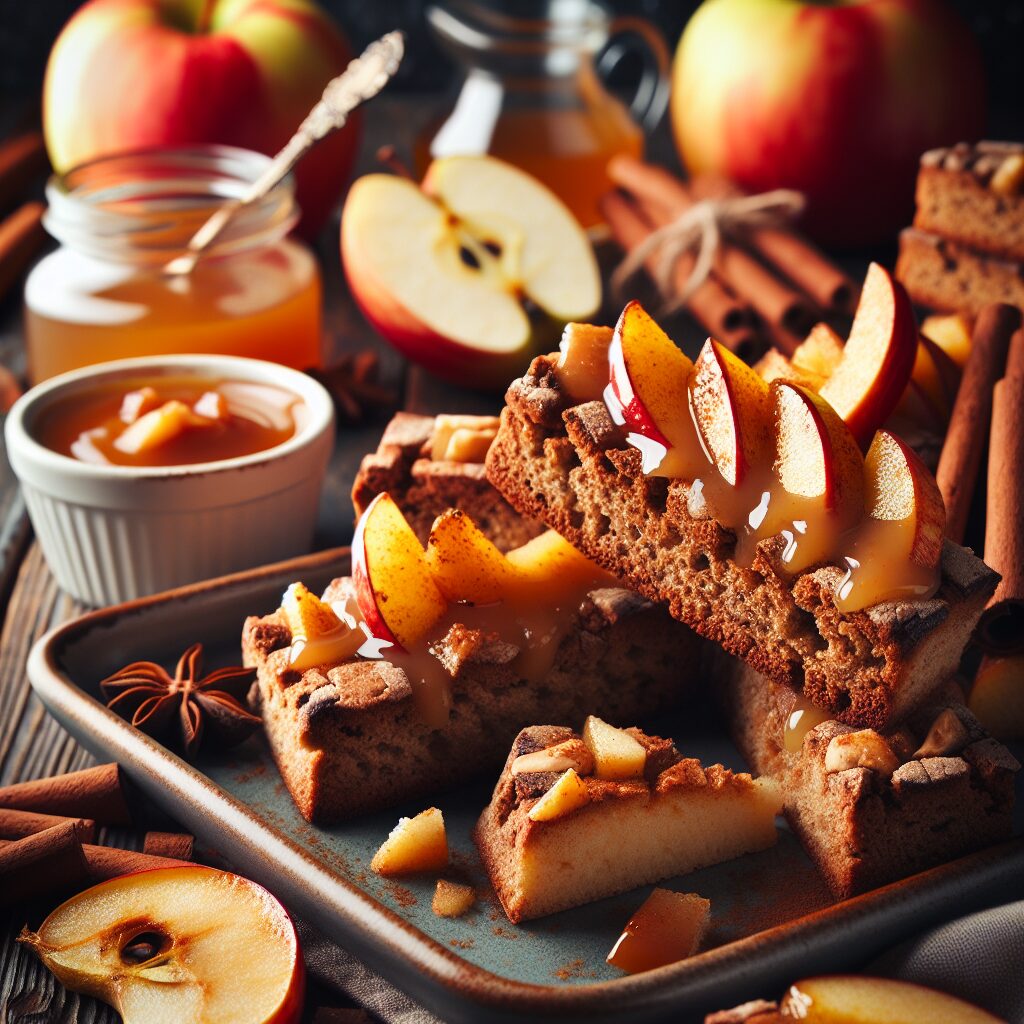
x,y
767,288
989,415
48,833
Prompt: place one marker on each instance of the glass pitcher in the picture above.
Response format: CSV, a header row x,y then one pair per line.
x,y
534,93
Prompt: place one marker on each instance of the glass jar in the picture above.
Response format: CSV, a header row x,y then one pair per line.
x,y
103,294
533,93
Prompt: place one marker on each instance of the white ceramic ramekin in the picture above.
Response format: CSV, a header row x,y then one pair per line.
x,y
114,533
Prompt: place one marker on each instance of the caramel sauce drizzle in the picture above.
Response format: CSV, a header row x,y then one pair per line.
x,y
759,507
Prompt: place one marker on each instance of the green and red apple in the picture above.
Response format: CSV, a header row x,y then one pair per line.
x,y
132,74
469,272
836,99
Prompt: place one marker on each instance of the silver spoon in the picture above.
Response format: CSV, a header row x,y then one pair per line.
x,y
361,80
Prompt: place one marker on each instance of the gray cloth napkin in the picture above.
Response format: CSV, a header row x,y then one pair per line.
x,y
979,958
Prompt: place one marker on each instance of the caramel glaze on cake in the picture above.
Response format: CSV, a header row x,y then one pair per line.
x,y
568,465
678,817
864,827
424,486
347,738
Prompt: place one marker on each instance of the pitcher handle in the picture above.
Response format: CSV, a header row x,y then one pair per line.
x,y
630,33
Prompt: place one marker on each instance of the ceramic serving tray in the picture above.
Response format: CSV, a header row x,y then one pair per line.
x,y
773,918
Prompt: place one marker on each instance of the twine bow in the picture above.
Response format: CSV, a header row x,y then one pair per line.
x,y
702,227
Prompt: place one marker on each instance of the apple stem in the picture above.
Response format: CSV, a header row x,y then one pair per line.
x,y
205,14
388,156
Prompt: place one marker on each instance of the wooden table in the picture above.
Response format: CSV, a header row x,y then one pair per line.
x,y
32,744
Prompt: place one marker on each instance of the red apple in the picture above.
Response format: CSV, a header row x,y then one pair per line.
x,y
838,100
395,589
470,272
878,357
178,944
129,74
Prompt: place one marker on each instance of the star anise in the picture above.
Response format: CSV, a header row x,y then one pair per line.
x,y
206,706
353,384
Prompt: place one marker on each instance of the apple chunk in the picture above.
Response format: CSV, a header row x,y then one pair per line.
x,y
859,999
415,845
733,411
617,755
319,636
878,357
395,589
174,945
648,374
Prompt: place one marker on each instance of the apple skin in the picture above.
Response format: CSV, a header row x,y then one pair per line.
x,y
129,74
836,100
366,597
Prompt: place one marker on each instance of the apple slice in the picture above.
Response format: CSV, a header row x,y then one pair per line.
x,y
773,365
878,357
568,794
415,845
177,944
952,333
733,410
395,589
668,927
819,464
617,755
451,899
946,368
319,637
158,427
465,565
442,271
820,352
859,999
550,561
997,697
898,548
648,377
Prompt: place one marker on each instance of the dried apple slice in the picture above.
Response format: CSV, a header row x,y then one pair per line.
x,y
878,357
648,377
177,944
395,589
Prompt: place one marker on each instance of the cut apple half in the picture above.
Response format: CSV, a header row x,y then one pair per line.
x,y
878,357
179,945
395,589
732,408
443,270
647,374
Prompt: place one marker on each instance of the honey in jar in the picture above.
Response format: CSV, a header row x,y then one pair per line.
x,y
104,294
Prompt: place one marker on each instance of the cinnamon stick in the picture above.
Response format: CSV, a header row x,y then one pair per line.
x,y
18,824
782,306
105,862
718,311
95,793
21,237
969,421
22,160
1001,627
177,845
41,864
796,258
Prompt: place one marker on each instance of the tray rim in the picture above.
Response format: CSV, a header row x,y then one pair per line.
x,y
407,957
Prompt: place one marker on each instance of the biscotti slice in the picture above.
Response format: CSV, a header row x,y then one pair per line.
x,y
349,738
431,463
873,807
974,194
559,832
567,463
950,276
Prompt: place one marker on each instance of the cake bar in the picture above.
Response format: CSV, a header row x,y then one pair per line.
x,y
974,194
568,465
348,738
866,826
432,463
947,275
609,835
